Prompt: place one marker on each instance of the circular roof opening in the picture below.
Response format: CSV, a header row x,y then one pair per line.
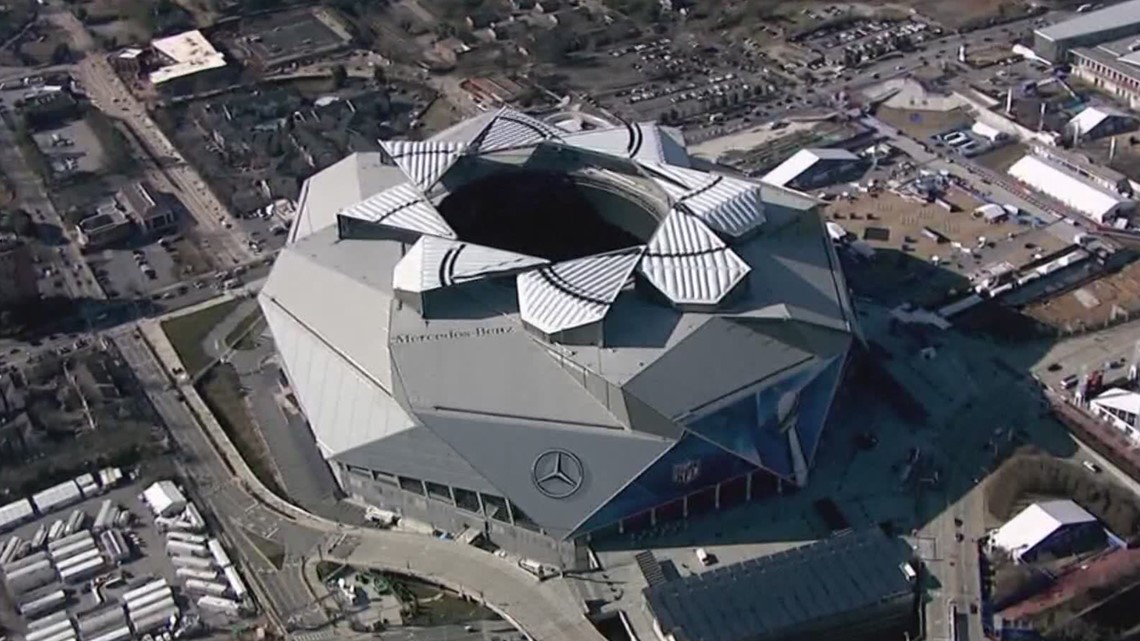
x,y
551,215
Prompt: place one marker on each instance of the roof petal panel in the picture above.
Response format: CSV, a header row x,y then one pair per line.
x,y
687,263
646,142
401,207
424,162
511,129
728,205
434,263
576,292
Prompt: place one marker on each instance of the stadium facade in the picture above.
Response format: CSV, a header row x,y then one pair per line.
x,y
545,336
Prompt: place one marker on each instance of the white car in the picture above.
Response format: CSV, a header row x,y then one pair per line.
x,y
956,138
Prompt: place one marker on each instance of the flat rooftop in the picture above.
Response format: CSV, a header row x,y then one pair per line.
x,y
188,53
762,597
281,38
1108,18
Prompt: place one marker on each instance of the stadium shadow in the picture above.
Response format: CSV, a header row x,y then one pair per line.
x,y
922,417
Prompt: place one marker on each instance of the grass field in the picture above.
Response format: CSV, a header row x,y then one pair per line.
x,y
244,335
186,334
221,389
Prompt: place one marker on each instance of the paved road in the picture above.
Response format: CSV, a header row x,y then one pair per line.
x,y
545,611
107,91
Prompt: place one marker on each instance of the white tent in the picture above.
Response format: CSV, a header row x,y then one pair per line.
x,y
164,498
1036,523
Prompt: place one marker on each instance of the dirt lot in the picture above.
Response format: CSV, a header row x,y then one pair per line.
x,y
904,269
921,123
1094,304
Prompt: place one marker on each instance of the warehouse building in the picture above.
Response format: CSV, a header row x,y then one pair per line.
x,y
850,587
1093,201
1054,42
1112,67
1050,529
660,342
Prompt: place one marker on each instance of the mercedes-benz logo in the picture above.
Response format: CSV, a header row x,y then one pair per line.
x,y
558,474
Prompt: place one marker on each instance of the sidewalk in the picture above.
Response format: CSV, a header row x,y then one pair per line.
x,y
546,611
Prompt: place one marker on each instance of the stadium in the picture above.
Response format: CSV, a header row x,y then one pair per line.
x,y
545,337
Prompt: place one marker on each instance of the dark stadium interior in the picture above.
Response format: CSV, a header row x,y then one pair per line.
x,y
543,214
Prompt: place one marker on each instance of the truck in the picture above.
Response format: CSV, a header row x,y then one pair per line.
x,y
195,573
105,517
237,586
188,537
182,548
205,587
218,603
219,554
82,571
152,586
144,601
39,539
192,562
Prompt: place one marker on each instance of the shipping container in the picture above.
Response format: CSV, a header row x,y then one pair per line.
x,y
219,553
115,545
39,539
191,562
15,513
82,571
204,587
30,577
218,603
39,605
192,519
195,573
148,610
237,586
105,517
188,537
155,621
25,562
56,497
8,552
50,630
77,559
48,620
152,586
64,541
121,633
186,549
148,599
55,531
73,549
62,635
75,522
100,620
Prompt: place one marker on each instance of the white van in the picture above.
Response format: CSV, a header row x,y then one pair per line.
x,y
704,557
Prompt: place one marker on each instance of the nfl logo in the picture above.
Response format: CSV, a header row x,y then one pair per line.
x,y
687,472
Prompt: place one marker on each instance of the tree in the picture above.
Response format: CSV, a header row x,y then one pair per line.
x,y
339,75
61,54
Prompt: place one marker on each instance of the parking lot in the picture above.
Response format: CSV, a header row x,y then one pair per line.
x,y
73,148
100,591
